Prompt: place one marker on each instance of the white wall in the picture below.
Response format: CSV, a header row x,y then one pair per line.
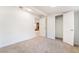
x,y
42,26
15,25
76,28
51,27
59,26
68,27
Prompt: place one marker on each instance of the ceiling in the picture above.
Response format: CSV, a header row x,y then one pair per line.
x,y
46,10
52,10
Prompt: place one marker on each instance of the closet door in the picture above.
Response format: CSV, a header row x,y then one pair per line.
x,y
42,26
68,28
51,27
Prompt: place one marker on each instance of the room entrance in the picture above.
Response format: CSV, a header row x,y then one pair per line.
x,y
59,27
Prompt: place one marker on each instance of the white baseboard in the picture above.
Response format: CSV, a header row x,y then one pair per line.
x,y
14,40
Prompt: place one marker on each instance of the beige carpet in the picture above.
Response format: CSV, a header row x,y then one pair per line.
x,y
39,45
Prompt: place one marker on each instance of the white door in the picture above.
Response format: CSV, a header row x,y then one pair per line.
x,y
42,26
51,27
68,28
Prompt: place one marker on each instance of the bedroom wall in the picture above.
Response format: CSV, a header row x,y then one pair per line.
x,y
15,25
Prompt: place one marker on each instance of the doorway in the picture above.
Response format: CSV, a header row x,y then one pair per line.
x,y
59,27
37,26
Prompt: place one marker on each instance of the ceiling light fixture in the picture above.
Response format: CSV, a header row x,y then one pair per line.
x,y
28,9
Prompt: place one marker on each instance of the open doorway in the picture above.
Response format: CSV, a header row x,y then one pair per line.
x,y
37,26
59,27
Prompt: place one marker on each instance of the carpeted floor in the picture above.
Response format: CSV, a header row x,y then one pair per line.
x,y
40,45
